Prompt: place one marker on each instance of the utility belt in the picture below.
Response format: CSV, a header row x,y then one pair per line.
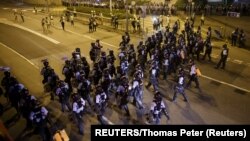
x,y
158,115
179,87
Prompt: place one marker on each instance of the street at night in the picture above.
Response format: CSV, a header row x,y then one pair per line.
x,y
223,97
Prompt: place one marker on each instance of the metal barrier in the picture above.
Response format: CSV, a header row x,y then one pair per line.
x,y
102,21
233,14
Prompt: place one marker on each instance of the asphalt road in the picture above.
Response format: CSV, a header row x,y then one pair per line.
x,y
220,102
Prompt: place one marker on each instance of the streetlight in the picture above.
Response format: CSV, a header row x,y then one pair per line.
x,y
110,6
143,15
126,7
47,4
192,9
189,7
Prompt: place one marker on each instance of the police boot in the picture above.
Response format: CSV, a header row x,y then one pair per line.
x,y
134,102
52,96
127,113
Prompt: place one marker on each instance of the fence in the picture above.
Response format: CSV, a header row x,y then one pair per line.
x,y
102,21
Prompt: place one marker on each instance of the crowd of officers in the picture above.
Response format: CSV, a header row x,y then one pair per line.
x,y
161,55
26,105
85,87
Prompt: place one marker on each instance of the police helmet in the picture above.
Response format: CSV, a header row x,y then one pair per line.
x,y
13,80
75,96
67,62
45,63
225,46
106,71
157,97
138,67
111,52
7,73
99,89
25,91
103,53
60,83
124,79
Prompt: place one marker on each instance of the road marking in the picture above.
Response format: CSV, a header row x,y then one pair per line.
x,y
38,34
237,61
107,120
32,31
225,83
5,8
19,55
88,37
214,55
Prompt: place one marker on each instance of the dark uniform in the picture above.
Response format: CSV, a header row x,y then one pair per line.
x,y
193,76
179,88
223,59
153,78
78,109
208,50
39,118
63,93
157,108
123,95
100,103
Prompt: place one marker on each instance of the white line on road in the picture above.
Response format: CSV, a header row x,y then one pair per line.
x,y
38,34
214,55
237,61
225,83
19,55
88,37
107,120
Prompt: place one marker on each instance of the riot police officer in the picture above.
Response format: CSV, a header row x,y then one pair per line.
x,y
193,75
26,103
39,117
179,88
137,91
84,88
67,71
223,59
106,81
100,103
153,78
157,108
63,93
52,81
123,95
45,71
208,50
78,111
6,83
